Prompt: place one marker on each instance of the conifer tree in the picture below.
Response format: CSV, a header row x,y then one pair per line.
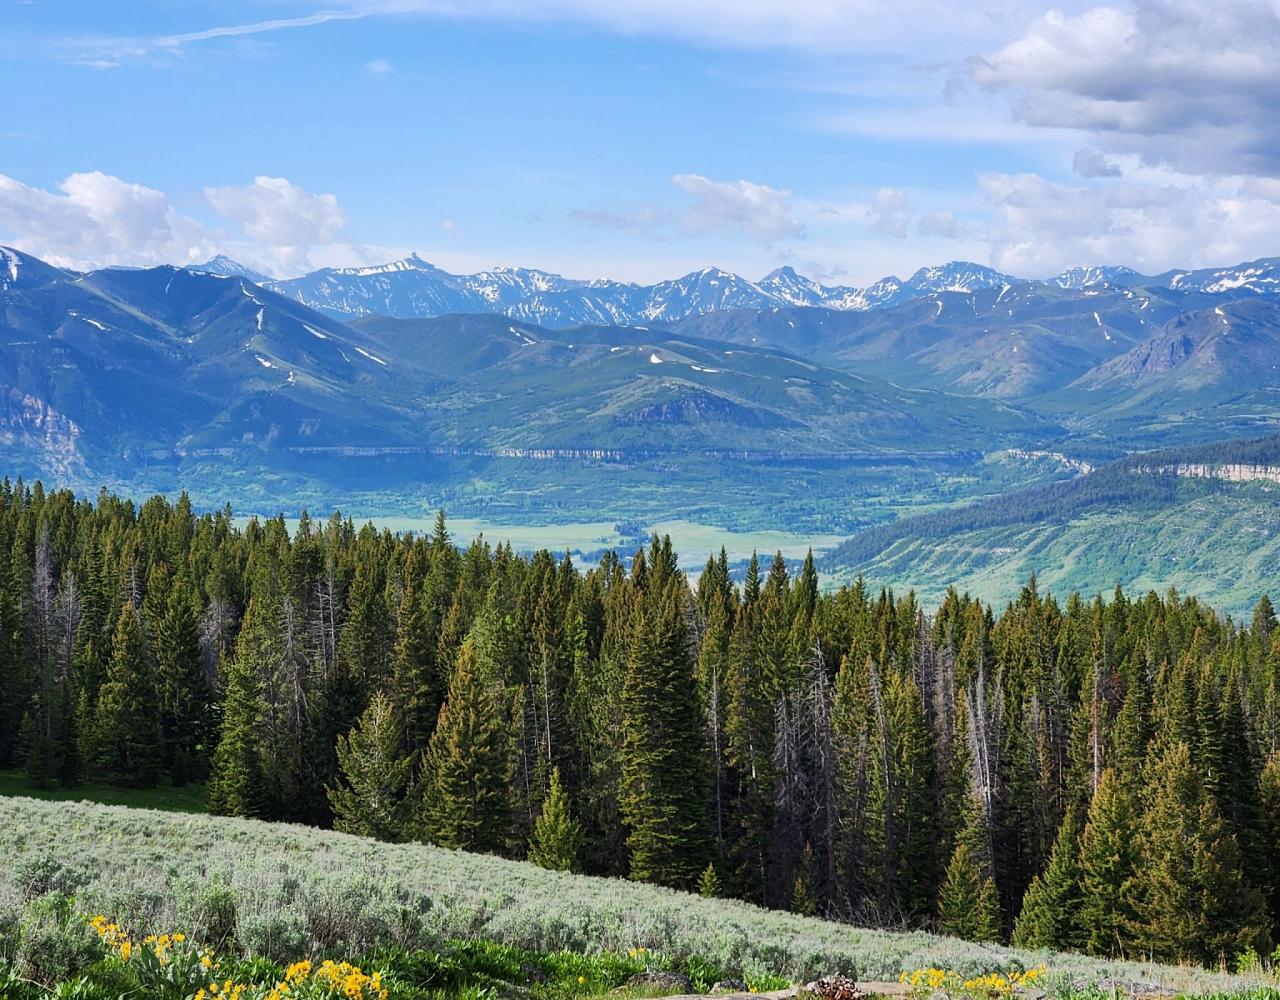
x,y
557,835
968,906
748,778
1052,900
466,801
417,689
369,800
184,694
664,766
1108,860
900,803
1192,902
237,775
236,783
803,900
709,883
127,724
36,746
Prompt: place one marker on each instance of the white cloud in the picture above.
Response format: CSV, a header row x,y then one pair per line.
x,y
378,67
275,211
941,223
1039,226
756,210
450,227
890,213
1180,82
95,219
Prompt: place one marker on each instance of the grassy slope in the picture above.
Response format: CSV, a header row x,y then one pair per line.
x,y
189,799
1125,522
290,889
1221,544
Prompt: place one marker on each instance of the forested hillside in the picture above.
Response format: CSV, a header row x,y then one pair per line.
x,y
1202,517
1101,775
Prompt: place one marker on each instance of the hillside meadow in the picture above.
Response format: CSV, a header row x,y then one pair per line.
x,y
282,892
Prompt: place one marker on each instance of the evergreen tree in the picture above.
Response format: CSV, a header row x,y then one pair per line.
x,y
709,883
466,802
417,689
1049,908
127,724
557,836
1270,800
237,779
1192,902
664,772
184,694
748,778
370,798
1108,860
803,900
968,905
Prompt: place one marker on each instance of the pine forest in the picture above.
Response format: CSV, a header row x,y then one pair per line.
x,y
1069,771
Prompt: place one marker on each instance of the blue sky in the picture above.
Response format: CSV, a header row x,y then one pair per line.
x,y
641,139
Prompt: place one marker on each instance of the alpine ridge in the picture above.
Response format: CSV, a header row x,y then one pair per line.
x,y
413,288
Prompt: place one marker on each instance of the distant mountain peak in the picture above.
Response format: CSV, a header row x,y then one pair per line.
x,y
225,267
1091,277
957,276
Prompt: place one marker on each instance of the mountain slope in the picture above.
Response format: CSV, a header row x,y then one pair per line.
x,y
619,389
114,849
1202,518
163,358
113,365
1010,342
1210,372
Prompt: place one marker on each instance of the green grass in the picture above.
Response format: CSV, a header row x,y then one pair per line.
x,y
280,892
166,798
1219,541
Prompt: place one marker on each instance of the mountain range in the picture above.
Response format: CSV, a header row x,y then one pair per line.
x,y
132,372
413,288
117,366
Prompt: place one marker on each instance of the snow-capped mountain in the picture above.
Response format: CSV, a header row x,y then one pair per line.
x,y
958,276
413,288
1261,277
1092,277
225,267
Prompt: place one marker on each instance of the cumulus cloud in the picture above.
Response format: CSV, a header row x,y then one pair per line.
x,y
275,211
378,67
1040,226
941,223
756,210
1179,82
890,213
93,219
96,219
